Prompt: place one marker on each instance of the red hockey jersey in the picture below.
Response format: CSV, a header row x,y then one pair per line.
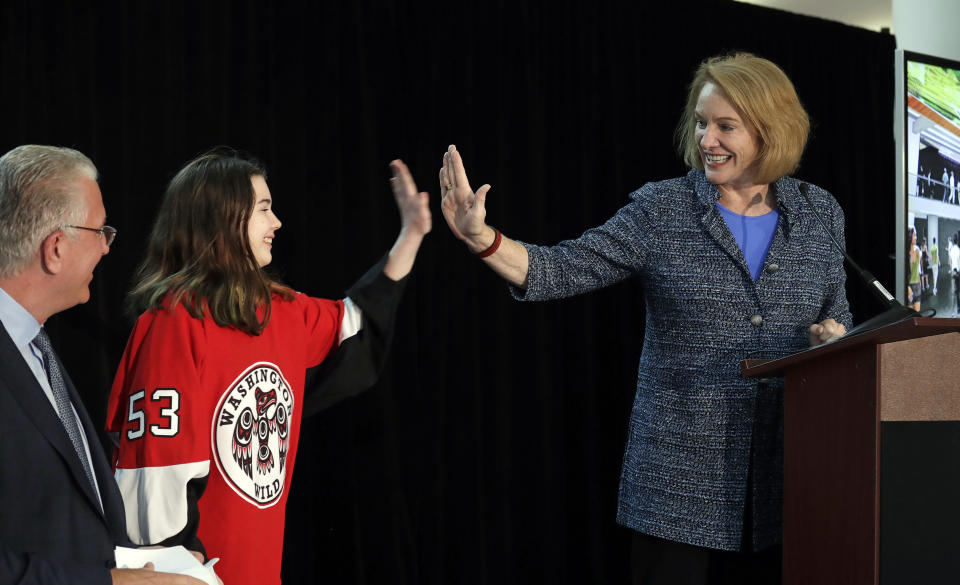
x,y
208,419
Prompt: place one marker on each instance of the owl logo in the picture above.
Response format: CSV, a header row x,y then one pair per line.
x,y
251,433
268,418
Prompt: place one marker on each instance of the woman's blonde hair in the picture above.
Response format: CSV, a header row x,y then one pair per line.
x,y
765,99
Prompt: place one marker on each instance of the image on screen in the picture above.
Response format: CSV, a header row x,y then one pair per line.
x,y
932,120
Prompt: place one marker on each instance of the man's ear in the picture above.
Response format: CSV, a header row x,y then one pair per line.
x,y
52,252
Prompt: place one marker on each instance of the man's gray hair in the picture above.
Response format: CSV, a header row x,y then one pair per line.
x,y
37,197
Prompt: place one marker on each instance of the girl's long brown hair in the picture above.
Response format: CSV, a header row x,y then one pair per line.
x,y
199,252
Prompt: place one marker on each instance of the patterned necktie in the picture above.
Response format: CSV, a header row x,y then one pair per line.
x,y
63,401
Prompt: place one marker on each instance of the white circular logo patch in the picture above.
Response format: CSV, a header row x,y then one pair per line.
x,y
251,433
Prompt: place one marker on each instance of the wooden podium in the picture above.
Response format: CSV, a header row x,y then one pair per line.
x,y
872,456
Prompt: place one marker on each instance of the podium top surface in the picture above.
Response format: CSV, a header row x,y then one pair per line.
x,y
908,329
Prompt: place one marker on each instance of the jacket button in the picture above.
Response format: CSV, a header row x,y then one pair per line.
x,y
772,267
756,320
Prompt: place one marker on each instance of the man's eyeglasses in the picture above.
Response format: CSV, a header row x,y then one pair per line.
x,y
106,233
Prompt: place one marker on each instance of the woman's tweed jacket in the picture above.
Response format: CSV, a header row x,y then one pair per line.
x,y
695,421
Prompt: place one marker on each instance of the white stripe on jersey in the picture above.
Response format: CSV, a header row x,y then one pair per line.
x,y
352,319
155,499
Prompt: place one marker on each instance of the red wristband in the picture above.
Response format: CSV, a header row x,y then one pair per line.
x,y
493,247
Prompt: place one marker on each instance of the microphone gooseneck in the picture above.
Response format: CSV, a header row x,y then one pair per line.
x,y
895,312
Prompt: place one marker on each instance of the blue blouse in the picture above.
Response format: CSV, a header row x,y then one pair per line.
x,y
753,235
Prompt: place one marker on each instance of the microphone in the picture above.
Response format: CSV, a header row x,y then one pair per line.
x,y
894,312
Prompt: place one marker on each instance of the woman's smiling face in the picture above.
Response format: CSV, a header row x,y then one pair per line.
x,y
728,144
263,223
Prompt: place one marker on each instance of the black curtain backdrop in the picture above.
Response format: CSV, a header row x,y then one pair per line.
x,y
489,452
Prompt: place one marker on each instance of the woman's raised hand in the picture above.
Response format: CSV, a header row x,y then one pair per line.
x,y
463,209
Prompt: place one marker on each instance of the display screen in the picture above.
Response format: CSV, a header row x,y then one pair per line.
x,y
932,177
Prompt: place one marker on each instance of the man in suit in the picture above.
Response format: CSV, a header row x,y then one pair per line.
x,y
62,513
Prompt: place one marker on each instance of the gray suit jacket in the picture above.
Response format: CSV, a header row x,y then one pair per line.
x,y
700,433
52,530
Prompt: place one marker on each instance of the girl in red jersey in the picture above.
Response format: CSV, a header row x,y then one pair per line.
x,y
208,398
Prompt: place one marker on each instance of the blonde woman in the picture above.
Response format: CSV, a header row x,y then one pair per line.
x,y
733,264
